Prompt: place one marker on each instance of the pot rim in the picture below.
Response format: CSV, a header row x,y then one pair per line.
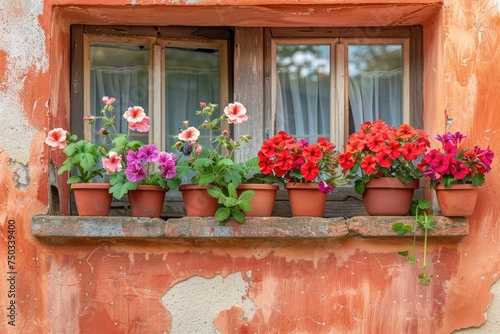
x,y
302,185
391,182
456,187
91,185
192,186
150,187
263,186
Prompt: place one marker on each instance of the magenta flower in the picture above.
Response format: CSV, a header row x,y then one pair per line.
x,y
168,169
441,164
136,172
325,187
148,153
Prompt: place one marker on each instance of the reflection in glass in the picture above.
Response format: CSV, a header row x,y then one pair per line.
x,y
303,90
119,71
375,84
192,76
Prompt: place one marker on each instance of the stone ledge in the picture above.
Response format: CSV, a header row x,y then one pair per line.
x,y
44,226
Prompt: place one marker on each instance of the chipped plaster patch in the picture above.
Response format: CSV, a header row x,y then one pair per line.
x,y
23,41
21,175
195,303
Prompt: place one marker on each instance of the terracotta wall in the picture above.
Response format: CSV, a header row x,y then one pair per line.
x,y
346,285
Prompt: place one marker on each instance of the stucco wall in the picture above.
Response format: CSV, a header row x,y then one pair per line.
x,y
346,285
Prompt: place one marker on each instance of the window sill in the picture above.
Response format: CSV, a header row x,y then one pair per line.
x,y
73,227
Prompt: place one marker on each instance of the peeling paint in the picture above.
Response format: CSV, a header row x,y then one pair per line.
x,y
196,302
23,42
21,174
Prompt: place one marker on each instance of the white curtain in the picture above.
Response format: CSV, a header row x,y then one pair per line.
x,y
303,103
375,96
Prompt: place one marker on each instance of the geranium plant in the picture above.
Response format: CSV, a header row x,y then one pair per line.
x,y
81,155
127,163
214,164
298,161
377,150
452,164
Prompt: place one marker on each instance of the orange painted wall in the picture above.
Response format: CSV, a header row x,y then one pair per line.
x,y
336,286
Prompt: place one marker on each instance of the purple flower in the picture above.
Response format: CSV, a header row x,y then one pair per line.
x,y
148,153
165,157
303,142
168,169
136,172
132,158
325,187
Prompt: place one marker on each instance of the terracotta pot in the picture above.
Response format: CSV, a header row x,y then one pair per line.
x,y
197,201
147,201
92,199
263,201
388,196
306,199
457,201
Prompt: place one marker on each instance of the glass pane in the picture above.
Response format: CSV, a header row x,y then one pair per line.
x,y
192,76
303,90
375,84
119,71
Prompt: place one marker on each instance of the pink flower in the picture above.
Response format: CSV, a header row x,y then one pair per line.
x,y
325,187
185,123
236,113
142,126
89,118
113,163
134,115
56,138
190,133
108,100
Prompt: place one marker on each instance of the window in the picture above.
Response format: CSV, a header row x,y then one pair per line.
x,y
329,86
167,72
317,82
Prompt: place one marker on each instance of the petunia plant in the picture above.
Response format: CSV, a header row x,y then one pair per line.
x,y
452,164
214,164
130,163
377,150
298,161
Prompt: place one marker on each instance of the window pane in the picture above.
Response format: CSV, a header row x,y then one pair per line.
x,y
119,71
303,90
192,76
375,84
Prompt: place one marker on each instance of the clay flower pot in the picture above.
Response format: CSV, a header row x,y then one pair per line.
x,y
197,201
388,196
263,201
92,199
147,201
457,201
305,199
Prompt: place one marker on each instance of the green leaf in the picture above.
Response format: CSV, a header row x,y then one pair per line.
x,y
245,206
430,223
247,195
412,259
238,215
206,179
230,202
226,162
478,180
74,179
232,176
222,214
231,188
120,185
359,186
424,204
403,253
120,141
216,192
173,183
401,229
202,162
